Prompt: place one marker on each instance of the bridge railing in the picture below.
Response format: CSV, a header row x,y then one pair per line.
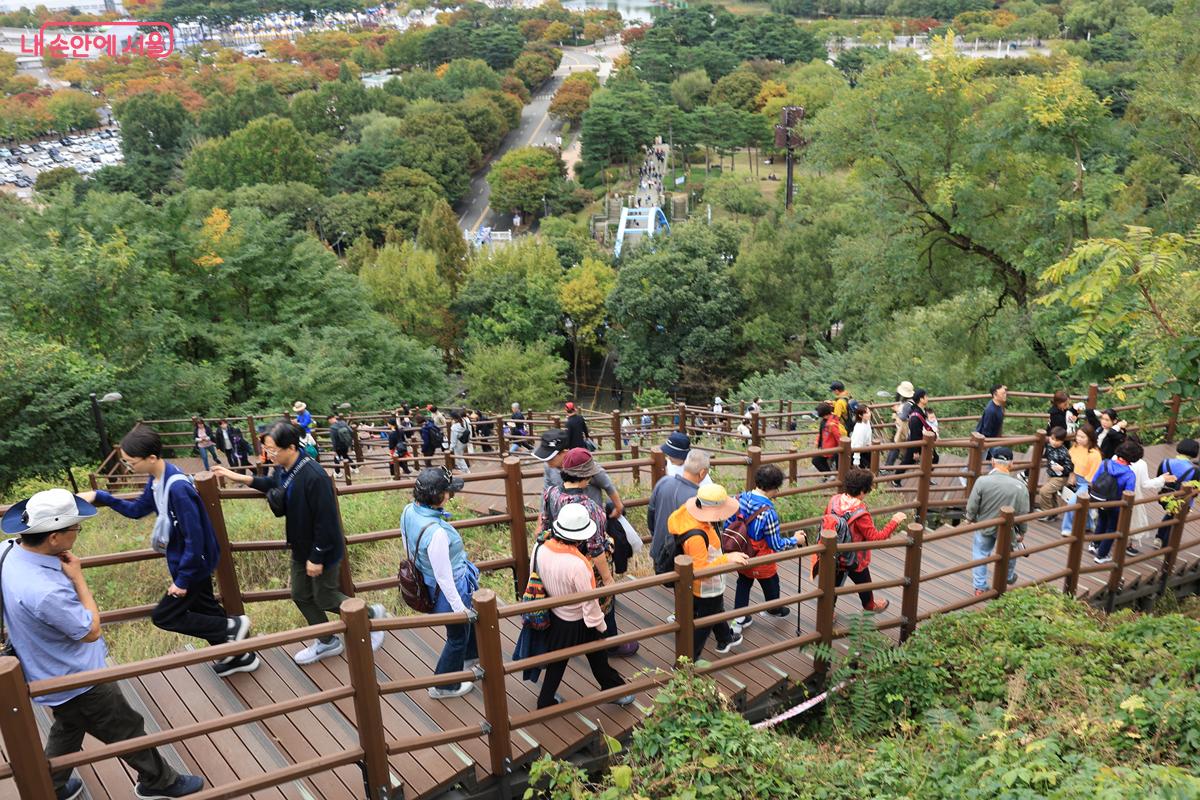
x,y
30,769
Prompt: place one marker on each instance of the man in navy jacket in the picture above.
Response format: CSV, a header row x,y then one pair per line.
x,y
191,549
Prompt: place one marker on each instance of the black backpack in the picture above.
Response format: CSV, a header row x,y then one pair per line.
x,y
435,437
343,436
848,562
465,435
665,561
1104,486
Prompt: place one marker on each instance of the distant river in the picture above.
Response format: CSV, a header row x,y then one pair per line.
x,y
631,10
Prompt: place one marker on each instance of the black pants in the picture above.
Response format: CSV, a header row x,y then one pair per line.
x,y
197,614
825,463
104,712
1164,533
858,576
706,607
741,595
235,458
1106,522
339,456
563,634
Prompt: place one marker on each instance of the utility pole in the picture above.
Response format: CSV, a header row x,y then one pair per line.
x,y
787,135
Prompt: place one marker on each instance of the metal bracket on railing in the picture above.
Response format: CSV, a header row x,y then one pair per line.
x,y
507,765
907,581
485,726
472,616
478,672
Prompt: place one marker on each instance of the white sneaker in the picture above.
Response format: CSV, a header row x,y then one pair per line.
x,y
670,617
438,693
1066,532
318,650
378,612
744,622
1103,559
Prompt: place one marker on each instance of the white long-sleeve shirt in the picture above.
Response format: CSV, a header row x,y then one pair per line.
x,y
439,559
861,437
1146,487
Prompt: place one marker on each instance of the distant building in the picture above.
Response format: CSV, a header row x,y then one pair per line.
x,y
84,6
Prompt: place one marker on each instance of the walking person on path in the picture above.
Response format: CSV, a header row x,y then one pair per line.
x,y
692,526
669,494
301,492
758,507
1183,467
904,404
1126,481
1144,489
341,435
203,437
303,418
460,438
850,509
565,569
992,492
231,442
1085,460
991,422
53,625
861,436
577,429
437,550
185,535
431,440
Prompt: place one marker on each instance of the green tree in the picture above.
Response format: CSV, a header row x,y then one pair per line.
x,y
154,126
495,374
404,283
268,150
676,308
533,69
438,233
691,89
522,177
225,113
512,293
737,195
72,110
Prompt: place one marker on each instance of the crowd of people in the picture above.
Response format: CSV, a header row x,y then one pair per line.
x,y
583,541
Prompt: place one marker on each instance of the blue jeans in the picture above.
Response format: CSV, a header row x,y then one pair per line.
x,y
460,639
985,543
1081,487
204,451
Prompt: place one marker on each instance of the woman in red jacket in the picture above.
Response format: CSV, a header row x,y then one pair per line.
x,y
850,505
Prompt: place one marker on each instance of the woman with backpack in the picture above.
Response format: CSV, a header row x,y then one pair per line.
x,y
431,439
460,439
1183,467
918,423
829,434
847,515
562,563
437,551
1113,478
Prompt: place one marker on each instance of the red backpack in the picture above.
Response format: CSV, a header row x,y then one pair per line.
x,y
736,536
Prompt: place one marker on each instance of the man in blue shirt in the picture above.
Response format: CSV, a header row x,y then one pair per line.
x,y
991,423
1183,467
187,539
54,626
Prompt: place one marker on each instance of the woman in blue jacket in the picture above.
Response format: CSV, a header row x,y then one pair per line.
x,y
184,534
1118,467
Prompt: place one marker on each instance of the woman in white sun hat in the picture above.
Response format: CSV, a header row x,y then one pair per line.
x,y
565,569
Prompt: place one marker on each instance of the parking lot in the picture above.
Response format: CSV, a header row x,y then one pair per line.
x,y
85,153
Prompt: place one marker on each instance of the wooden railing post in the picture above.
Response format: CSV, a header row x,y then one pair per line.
x,y
974,460
753,462
1004,540
1173,417
1173,540
252,432
227,580
1093,395
1075,550
827,582
31,769
616,431
658,465
873,462
448,458
844,463
1117,574
514,495
367,712
793,465
495,694
790,419
635,470
684,608
682,413
1035,466
909,605
345,577
755,430
927,441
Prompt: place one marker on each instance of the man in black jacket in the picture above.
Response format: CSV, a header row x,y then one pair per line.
x,y
576,427
314,534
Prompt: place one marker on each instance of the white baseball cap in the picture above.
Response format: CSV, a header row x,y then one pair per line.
x,y
46,512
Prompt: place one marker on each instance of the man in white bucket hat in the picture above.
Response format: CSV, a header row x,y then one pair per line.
x,y
53,624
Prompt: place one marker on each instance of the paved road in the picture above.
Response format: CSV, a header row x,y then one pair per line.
x,y
537,128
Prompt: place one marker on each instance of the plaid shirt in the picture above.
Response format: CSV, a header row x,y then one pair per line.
x,y
764,527
554,498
